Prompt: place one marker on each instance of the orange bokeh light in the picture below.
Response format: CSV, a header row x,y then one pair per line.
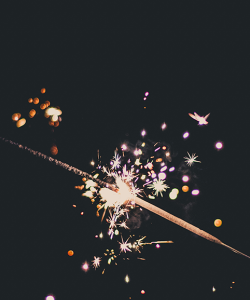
x,y
30,100
185,188
217,223
54,150
16,117
70,253
43,106
20,122
32,113
43,90
47,103
36,100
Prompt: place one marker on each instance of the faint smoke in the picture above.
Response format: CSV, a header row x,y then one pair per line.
x,y
136,217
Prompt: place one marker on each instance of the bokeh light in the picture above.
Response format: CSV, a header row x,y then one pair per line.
x,y
185,178
163,126
30,100
32,113
218,145
171,169
85,267
217,223
143,133
43,90
185,188
157,246
185,135
142,292
20,122
146,94
16,116
162,176
70,253
127,279
36,100
50,297
195,192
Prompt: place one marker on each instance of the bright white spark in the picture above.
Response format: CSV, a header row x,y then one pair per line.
x,y
191,159
124,225
201,120
96,262
116,161
158,186
124,246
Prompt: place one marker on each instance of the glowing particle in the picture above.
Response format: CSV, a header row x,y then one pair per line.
x,y
70,253
74,205
127,279
144,107
163,169
50,297
43,90
163,126
185,135
116,232
145,98
175,191
185,188
157,246
167,154
85,267
101,235
217,223
124,147
54,150
213,289
185,178
164,148
47,103
195,192
36,100
143,144
157,149
32,113
92,163
82,213
173,195
143,177
218,145
142,292
158,159
146,94
143,133
30,100
171,169
162,176
16,116
20,123
43,106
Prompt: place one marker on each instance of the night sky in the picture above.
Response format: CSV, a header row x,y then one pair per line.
x,y
96,61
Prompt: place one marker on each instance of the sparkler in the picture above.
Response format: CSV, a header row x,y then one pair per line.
x,y
124,195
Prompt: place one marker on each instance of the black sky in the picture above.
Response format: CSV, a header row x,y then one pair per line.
x,y
96,62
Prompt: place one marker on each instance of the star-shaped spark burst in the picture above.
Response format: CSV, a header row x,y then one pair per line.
x,y
191,159
124,246
158,186
96,262
116,161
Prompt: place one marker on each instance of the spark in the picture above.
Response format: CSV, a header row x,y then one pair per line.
x,y
124,246
116,161
158,186
201,120
191,159
96,262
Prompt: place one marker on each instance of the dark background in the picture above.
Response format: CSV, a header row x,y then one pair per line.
x,y
96,61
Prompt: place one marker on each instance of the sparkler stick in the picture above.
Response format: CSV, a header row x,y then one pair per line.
x,y
183,224
137,200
